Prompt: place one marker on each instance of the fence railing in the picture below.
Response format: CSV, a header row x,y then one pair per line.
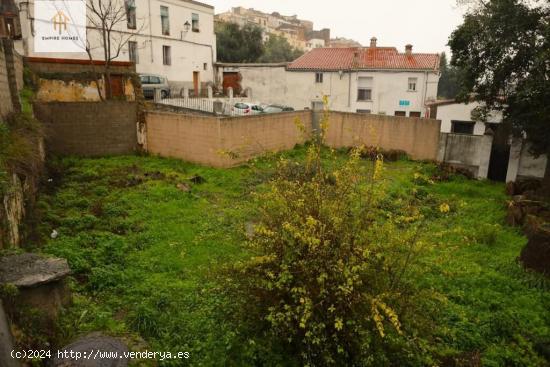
x,y
210,105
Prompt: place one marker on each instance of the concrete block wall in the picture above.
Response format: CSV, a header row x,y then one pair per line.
x,y
469,151
89,128
522,164
416,136
189,137
225,142
222,142
248,137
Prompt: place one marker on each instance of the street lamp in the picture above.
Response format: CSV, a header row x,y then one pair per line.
x,y
186,27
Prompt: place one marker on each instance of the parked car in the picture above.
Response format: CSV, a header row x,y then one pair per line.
x,y
276,108
242,108
151,82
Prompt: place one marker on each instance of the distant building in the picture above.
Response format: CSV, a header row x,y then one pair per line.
x,y
298,32
314,43
342,42
173,39
378,80
9,20
486,148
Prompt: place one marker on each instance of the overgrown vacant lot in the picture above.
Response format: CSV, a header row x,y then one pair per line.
x,y
145,241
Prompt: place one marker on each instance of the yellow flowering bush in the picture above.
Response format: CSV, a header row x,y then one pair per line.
x,y
329,277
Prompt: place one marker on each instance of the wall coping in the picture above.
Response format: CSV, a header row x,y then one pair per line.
x,y
49,60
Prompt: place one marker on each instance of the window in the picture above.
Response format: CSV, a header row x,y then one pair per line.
x,y
412,84
318,77
400,113
415,114
130,13
195,22
363,111
462,127
154,80
164,20
166,57
144,79
133,51
205,66
364,89
364,94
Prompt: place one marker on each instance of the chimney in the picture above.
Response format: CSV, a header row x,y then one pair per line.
x,y
373,42
355,58
409,49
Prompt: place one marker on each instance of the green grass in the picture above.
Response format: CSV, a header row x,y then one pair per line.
x,y
145,255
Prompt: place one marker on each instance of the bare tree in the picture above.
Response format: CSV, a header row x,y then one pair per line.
x,y
109,17
111,20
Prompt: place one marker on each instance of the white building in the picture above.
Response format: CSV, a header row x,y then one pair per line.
x,y
487,146
171,38
373,79
314,43
459,118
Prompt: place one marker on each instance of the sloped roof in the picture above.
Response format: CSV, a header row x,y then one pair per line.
x,y
364,58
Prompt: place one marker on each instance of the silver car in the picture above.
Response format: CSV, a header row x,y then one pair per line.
x,y
151,82
246,109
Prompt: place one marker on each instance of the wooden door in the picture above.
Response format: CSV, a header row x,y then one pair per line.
x,y
233,80
196,83
117,86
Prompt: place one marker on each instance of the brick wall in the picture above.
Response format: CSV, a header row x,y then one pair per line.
x,y
222,142
89,128
416,136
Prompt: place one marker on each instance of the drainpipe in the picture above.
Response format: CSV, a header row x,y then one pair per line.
x,y
425,93
150,32
349,90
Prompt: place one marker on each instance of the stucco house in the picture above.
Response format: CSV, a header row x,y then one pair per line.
x,y
486,147
171,38
373,79
9,21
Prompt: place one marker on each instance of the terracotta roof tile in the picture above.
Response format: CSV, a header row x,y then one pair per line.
x,y
364,58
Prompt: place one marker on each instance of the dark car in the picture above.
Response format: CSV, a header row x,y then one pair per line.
x,y
276,108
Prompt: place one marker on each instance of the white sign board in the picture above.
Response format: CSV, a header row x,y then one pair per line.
x,y
60,26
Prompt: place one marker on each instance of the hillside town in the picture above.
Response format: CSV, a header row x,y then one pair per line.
x,y
189,183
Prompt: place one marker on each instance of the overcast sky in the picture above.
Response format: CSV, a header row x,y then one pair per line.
x,y
426,24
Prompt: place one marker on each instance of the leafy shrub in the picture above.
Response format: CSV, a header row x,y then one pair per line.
x,y
487,234
329,280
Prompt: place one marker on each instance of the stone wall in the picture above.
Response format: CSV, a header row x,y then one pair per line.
x,y
19,180
11,78
5,94
222,142
418,137
89,128
70,80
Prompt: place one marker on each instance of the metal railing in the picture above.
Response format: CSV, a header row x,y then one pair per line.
x,y
216,106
